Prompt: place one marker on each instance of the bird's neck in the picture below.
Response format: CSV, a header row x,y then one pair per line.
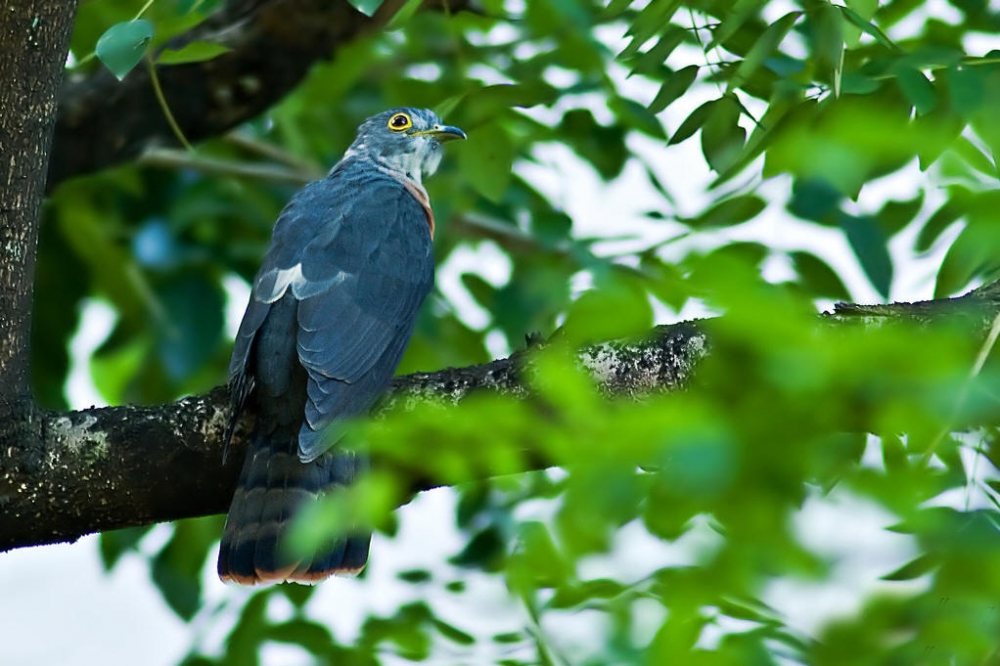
x,y
411,181
402,168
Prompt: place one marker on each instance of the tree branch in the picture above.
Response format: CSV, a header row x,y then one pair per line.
x,y
273,45
101,469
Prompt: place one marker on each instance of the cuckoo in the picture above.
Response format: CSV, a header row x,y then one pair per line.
x,y
331,311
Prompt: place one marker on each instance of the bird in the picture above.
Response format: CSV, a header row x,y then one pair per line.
x,y
331,311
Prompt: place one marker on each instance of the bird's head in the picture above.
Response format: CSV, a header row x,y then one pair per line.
x,y
405,140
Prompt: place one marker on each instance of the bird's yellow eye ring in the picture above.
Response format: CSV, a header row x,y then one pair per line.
x,y
400,122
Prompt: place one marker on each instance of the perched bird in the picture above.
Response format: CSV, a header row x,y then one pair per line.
x,y
331,311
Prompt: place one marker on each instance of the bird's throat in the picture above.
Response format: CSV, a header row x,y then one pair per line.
x,y
420,194
414,187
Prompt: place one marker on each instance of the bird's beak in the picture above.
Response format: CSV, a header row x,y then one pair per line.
x,y
442,133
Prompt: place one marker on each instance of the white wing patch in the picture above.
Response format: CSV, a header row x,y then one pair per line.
x,y
272,285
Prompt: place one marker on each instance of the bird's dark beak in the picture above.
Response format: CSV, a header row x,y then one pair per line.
x,y
442,133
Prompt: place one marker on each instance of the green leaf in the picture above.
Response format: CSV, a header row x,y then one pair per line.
x,y
729,212
192,52
113,371
636,116
485,160
762,49
692,123
733,20
975,251
675,86
974,157
674,641
481,290
618,308
647,23
870,246
751,609
868,27
919,91
299,595
541,557
615,8
453,633
115,543
938,131
915,568
176,569
603,147
814,199
896,215
193,328
651,61
721,136
818,278
894,454
484,551
123,45
827,41
865,10
949,212
312,636
415,576
366,7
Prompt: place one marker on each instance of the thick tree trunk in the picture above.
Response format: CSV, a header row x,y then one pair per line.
x,y
34,37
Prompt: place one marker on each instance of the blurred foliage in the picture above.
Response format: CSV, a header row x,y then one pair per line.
x,y
800,110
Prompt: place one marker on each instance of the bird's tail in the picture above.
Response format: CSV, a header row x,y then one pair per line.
x,y
273,486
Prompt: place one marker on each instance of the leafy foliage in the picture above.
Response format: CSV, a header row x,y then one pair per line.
x,y
671,521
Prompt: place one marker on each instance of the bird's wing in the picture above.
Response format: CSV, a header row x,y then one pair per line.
x,y
364,282
359,272
298,222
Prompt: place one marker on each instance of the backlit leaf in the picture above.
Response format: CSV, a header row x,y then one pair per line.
x,y
123,45
870,246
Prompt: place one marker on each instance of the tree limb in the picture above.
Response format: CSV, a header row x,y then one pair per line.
x,y
114,467
273,45
101,469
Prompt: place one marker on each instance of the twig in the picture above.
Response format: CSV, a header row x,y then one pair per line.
x,y
963,393
170,158
273,152
155,80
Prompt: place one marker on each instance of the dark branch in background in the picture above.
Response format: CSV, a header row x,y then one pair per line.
x,y
101,469
103,122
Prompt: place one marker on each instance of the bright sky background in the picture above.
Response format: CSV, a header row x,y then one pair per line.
x,y
58,607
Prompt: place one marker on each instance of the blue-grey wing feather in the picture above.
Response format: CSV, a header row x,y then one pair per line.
x,y
352,336
359,275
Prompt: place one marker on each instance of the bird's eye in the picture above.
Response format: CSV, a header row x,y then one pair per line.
x,y
400,122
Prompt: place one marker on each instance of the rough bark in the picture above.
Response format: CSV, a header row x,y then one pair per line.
x,y
100,469
34,36
273,45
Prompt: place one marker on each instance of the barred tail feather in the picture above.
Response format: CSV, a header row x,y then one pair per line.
x,y
273,486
